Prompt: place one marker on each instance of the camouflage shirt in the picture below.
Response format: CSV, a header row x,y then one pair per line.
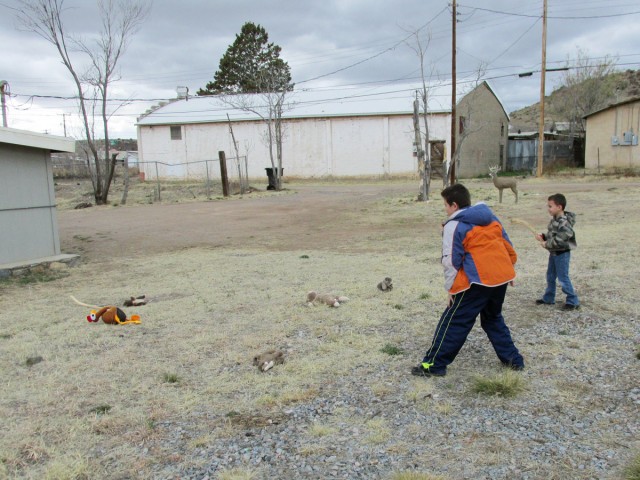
x,y
560,234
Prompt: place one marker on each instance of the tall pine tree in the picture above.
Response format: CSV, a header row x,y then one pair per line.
x,y
250,65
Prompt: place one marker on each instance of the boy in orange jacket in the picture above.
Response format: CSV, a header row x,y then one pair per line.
x,y
478,260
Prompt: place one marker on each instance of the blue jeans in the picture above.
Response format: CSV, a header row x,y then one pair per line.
x,y
559,268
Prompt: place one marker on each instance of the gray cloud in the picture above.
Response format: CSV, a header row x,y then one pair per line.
x,y
361,40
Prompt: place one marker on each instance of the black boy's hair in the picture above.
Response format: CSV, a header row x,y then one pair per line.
x,y
558,199
457,193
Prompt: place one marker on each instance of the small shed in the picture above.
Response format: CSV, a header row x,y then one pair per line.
x,y
28,223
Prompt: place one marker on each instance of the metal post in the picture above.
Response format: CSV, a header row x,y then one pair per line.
x,y
3,86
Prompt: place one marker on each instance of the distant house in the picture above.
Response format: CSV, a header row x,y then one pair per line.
x,y
483,129
612,137
28,223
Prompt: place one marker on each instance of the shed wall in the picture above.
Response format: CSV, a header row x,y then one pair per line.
x,y
28,225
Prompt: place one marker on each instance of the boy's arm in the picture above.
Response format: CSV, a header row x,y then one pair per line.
x,y
450,271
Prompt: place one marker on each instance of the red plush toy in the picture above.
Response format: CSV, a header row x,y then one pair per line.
x,y
109,314
112,315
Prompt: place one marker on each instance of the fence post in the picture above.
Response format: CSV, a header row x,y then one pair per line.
x,y
158,181
223,173
206,164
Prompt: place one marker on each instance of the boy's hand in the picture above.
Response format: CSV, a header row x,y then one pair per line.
x,y
512,283
539,237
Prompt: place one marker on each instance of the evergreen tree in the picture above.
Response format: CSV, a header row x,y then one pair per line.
x,y
250,65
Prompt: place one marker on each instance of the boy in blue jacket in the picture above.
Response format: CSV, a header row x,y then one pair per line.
x,y
478,260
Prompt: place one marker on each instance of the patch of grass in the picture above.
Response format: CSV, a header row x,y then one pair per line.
x,y
397,306
638,354
83,238
239,474
415,476
304,256
41,276
507,384
171,377
632,470
318,430
73,467
425,296
6,336
392,350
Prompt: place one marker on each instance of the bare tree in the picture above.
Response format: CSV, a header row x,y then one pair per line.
x,y
120,20
587,86
421,111
269,107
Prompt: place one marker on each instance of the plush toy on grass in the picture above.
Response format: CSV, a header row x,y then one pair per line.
x,y
265,361
325,298
110,314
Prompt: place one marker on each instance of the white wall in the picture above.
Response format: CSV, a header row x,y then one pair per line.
x,y
312,147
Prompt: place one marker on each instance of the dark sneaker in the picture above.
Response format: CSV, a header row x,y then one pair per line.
x,y
568,306
420,371
542,302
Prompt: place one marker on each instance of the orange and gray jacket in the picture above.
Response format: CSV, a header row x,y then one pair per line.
x,y
476,249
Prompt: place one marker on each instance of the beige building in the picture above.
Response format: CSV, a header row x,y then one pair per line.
x,y
612,137
482,132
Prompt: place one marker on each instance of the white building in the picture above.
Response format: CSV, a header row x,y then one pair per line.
x,y
346,132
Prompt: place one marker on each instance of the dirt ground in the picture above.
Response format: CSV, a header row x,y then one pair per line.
x,y
301,216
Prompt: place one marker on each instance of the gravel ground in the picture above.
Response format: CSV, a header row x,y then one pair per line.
x,y
578,417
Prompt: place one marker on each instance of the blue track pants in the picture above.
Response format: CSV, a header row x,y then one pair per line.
x,y
458,320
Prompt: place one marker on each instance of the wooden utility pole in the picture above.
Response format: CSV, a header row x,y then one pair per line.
x,y
223,173
542,80
452,165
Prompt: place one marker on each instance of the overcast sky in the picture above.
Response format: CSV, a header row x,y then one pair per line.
x,y
327,43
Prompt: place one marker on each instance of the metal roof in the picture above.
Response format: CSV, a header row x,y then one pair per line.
x,y
330,102
27,138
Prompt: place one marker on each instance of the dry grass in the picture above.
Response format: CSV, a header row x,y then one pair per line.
x,y
101,393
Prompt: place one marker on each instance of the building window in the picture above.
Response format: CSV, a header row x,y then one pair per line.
x,y
176,133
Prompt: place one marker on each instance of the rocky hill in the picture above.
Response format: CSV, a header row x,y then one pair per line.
x,y
627,85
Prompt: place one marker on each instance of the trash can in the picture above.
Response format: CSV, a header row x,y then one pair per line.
x,y
271,175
